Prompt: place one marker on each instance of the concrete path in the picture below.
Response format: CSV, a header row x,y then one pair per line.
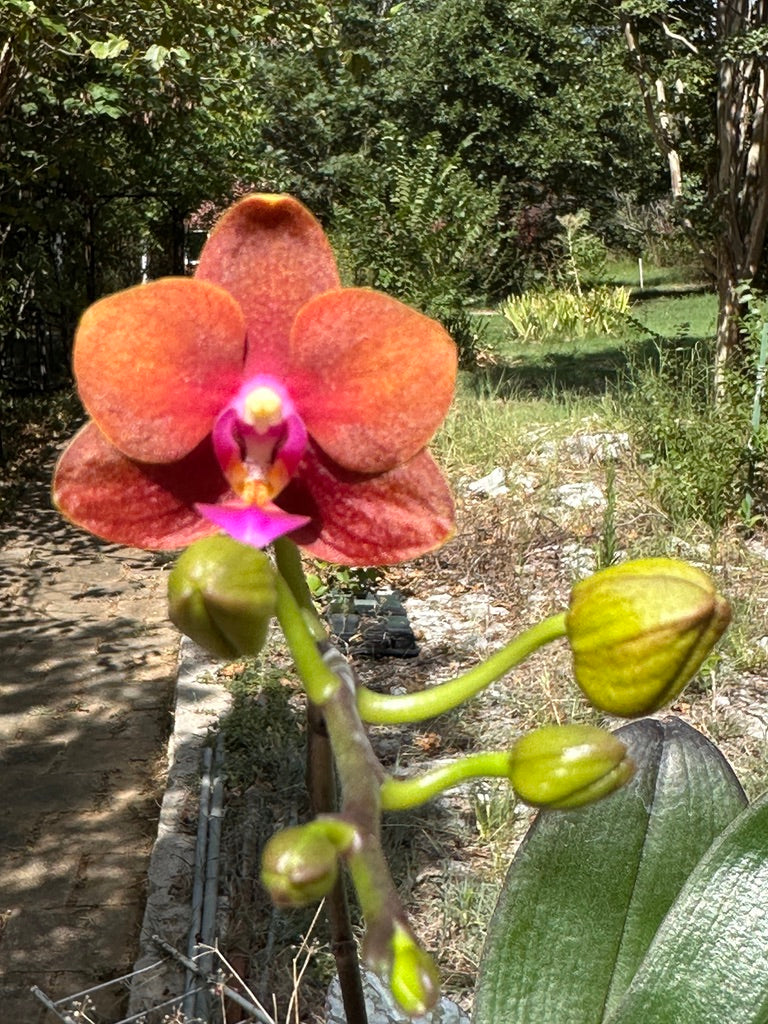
x,y
87,669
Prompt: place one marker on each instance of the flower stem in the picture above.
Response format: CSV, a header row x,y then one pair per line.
x,y
393,709
323,799
401,794
288,559
319,681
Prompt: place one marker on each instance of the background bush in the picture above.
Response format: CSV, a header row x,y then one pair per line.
x,y
414,223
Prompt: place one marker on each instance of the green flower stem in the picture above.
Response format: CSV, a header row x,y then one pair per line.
x,y
332,688
402,794
396,709
288,559
321,780
319,681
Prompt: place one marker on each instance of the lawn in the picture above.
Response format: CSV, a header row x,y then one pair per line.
x,y
594,364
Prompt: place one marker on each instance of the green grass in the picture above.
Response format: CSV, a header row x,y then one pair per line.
x,y
484,429
625,271
687,317
592,365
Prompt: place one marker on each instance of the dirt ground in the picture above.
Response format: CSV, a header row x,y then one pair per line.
x,y
87,667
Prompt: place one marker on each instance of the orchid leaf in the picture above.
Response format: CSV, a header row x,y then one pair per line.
x,y
709,959
588,889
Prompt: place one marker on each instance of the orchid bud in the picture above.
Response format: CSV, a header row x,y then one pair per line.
x,y
640,631
563,766
414,978
222,595
300,865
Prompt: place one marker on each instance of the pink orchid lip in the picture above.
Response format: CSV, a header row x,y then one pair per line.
x,y
259,440
251,524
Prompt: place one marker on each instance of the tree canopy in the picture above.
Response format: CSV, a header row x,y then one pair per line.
x,y
123,124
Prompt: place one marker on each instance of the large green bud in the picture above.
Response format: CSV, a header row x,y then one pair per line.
x,y
640,631
222,594
562,766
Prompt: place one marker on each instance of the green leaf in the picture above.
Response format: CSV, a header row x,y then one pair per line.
x,y
109,48
157,55
709,960
588,889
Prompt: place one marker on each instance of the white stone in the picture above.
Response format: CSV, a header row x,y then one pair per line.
x,y
580,495
382,1009
492,486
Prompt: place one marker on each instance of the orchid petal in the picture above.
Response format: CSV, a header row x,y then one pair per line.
x,y
371,377
155,363
371,520
251,524
143,506
271,254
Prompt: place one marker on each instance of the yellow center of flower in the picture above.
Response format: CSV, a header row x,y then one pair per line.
x,y
263,408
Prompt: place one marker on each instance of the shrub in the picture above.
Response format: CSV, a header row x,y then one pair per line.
x,y
699,452
556,314
414,223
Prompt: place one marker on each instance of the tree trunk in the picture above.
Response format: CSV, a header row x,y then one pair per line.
x,y
657,113
742,178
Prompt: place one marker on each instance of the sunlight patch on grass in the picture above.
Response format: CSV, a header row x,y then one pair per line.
x,y
483,432
683,316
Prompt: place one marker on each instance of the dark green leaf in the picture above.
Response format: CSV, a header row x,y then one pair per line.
x,y
709,960
588,889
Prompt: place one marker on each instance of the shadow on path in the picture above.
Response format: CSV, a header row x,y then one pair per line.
x,y
87,667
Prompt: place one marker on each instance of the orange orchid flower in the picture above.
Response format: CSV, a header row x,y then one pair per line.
x,y
263,399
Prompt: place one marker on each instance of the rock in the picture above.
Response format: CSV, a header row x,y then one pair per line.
x,y
579,496
492,486
601,446
382,1009
580,561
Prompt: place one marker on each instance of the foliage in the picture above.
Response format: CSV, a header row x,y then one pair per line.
x,y
413,222
697,452
701,70
548,113
654,231
118,120
562,314
537,117
585,254
633,909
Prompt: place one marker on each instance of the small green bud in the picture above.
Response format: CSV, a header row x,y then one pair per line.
x,y
563,766
222,594
640,631
300,865
414,978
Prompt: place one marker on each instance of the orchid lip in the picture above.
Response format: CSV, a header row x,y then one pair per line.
x,y
252,525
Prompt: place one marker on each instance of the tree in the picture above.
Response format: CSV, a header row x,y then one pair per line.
x,y
703,75
117,121
742,174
